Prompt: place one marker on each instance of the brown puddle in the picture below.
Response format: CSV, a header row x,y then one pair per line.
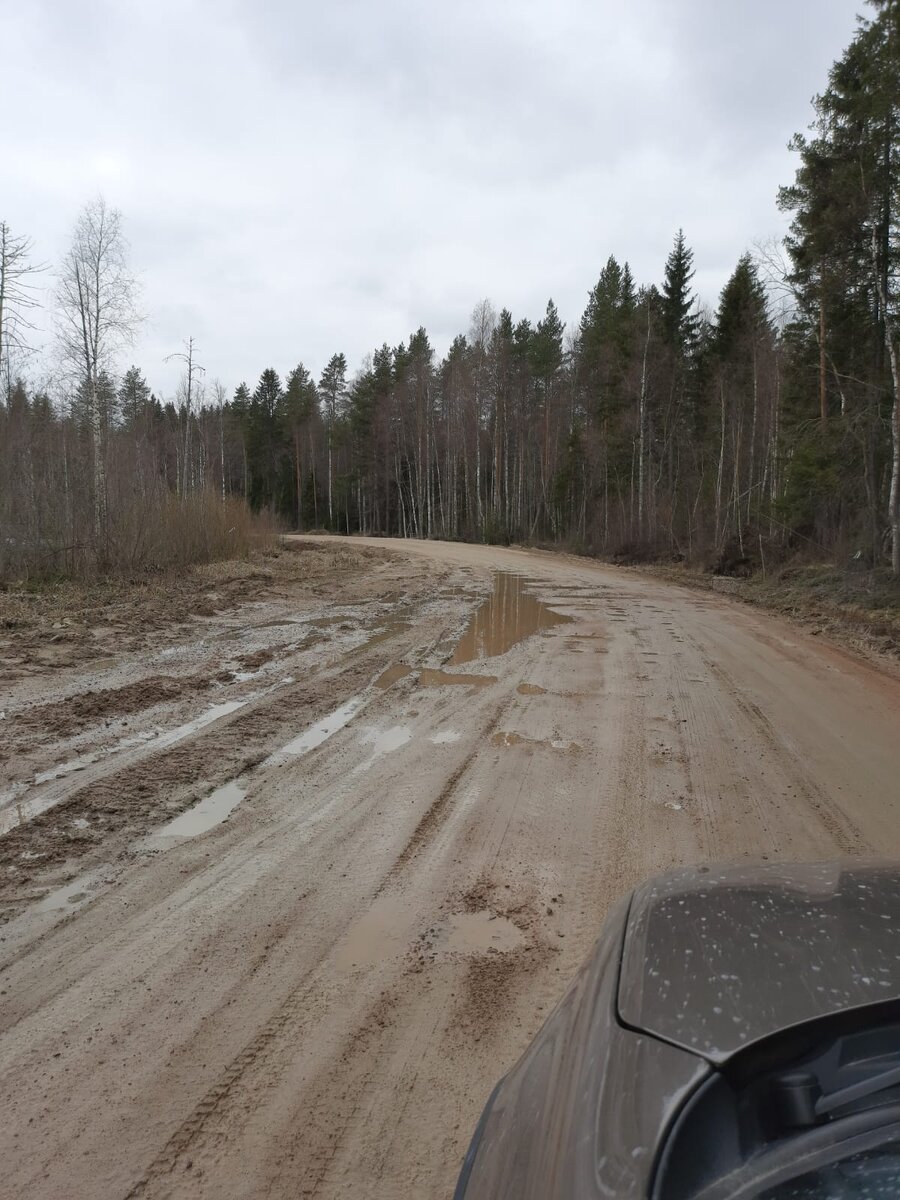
x,y
508,616
531,689
478,932
392,674
430,678
506,739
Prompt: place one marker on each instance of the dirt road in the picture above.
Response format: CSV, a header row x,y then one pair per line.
x,y
438,779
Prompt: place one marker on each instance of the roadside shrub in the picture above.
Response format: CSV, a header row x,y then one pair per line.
x,y
154,532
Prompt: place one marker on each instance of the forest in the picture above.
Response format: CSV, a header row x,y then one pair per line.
x,y
649,428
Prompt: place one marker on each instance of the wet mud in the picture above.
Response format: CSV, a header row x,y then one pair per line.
x,y
368,890
437,678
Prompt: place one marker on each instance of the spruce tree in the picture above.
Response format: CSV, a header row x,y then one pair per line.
x,y
679,322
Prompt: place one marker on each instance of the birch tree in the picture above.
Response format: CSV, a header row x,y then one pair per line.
x,y
17,297
96,298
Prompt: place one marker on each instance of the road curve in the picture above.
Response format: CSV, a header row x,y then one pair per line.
x,y
315,997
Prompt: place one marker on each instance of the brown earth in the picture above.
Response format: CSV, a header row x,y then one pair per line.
x,y
314,996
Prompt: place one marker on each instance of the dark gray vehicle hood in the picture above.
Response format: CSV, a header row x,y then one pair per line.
x,y
716,958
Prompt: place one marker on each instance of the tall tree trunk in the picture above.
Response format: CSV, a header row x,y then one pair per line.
x,y
99,456
890,342
750,482
642,423
298,477
823,390
720,529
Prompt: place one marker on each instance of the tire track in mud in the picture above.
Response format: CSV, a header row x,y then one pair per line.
x,y
438,812
136,797
81,710
299,1008
290,1019
845,834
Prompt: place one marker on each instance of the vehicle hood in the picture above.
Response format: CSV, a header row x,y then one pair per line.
x,y
716,958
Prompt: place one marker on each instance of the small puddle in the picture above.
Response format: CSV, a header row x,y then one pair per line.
x,y
375,937
383,741
430,678
531,689
65,898
392,674
518,739
481,932
206,718
508,616
210,812
316,734
76,764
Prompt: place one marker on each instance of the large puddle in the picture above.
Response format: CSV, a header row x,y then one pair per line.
x,y
508,616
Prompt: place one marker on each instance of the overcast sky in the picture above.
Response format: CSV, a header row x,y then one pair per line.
x,y
298,178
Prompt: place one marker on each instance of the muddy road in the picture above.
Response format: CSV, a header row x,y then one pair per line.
x,y
288,886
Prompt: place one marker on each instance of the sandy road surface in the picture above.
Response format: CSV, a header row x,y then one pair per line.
x,y
315,996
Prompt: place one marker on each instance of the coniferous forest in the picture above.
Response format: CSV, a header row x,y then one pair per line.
x,y
648,427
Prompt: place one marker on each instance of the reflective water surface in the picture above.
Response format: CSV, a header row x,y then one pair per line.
x,y
506,617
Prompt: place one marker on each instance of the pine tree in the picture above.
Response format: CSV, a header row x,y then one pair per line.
x,y
134,396
300,409
333,390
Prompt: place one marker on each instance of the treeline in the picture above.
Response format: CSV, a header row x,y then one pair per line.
x,y
652,428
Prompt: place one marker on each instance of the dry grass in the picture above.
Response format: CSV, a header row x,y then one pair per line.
x,y
145,535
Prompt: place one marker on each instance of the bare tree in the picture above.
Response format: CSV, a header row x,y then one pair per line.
x,y
17,296
192,370
96,295
220,392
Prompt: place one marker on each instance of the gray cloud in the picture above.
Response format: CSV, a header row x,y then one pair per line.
x,y
298,178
